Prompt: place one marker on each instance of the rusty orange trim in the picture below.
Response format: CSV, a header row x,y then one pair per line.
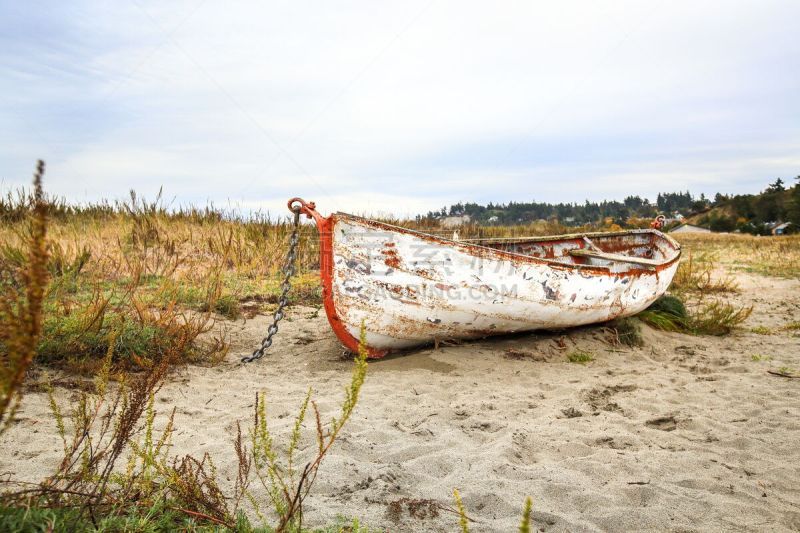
x,y
325,228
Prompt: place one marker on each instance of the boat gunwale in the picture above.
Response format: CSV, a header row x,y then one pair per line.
x,y
467,245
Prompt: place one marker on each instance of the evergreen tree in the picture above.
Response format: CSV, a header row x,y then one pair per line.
x,y
793,211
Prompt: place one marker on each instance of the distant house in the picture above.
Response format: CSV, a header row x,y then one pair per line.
x,y
455,221
782,229
689,228
675,217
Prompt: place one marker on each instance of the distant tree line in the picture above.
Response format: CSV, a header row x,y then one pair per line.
x,y
751,213
755,213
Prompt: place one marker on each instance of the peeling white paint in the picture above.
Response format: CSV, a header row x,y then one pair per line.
x,y
409,288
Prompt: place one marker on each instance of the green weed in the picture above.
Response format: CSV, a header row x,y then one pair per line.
x,y
715,317
580,357
695,275
525,525
155,492
464,520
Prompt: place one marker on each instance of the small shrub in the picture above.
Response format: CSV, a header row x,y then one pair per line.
x,y
761,330
628,331
226,305
671,305
580,357
717,318
694,275
668,313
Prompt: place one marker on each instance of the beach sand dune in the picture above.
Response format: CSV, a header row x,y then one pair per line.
x,y
684,434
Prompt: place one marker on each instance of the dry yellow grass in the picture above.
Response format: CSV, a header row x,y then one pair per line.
x,y
147,278
136,261
770,256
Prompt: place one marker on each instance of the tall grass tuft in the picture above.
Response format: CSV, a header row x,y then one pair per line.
x,y
463,521
286,485
668,313
21,302
718,318
715,317
695,275
525,525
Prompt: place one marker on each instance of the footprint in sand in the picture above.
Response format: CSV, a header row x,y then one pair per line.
x,y
663,423
615,443
600,398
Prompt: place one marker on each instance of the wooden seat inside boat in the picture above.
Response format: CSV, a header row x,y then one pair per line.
x,y
618,258
641,249
591,251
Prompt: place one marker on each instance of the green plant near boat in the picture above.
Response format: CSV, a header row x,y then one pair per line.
x,y
580,357
714,317
668,313
717,317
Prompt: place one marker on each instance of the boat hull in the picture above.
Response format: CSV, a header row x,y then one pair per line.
x,y
408,289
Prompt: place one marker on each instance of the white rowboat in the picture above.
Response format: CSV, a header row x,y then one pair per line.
x,y
410,288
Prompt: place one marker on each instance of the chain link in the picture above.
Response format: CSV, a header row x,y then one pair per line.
x,y
288,272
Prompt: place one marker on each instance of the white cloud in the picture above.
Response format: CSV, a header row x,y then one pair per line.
x,y
401,107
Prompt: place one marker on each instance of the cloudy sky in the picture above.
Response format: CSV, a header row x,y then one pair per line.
x,y
398,107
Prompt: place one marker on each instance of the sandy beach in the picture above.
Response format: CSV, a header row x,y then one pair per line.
x,y
684,434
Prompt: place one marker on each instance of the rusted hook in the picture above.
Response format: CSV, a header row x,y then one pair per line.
x,y
306,208
298,204
659,222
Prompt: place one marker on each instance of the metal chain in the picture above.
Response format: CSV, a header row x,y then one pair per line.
x,y
288,272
